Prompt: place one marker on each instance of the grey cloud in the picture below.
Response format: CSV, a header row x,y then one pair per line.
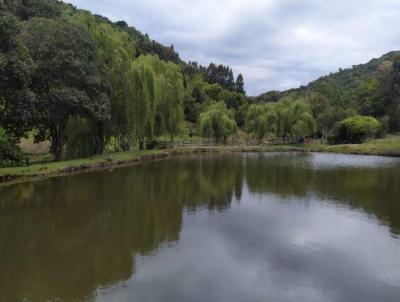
x,y
275,44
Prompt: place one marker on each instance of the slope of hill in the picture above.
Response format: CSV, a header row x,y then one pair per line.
x,y
367,89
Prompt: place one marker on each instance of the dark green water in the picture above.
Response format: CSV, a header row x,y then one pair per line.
x,y
254,227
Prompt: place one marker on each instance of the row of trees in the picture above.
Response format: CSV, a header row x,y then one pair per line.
x,y
285,119
73,70
82,82
370,89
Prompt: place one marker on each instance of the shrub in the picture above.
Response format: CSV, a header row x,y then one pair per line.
x,y
10,154
356,129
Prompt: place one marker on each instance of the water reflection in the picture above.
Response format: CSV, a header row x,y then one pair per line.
x,y
67,237
371,184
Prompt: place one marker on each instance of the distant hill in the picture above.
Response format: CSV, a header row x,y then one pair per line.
x,y
367,89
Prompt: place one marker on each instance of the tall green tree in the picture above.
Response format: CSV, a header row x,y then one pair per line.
x,y
262,120
140,88
170,108
217,122
116,50
67,78
239,84
16,99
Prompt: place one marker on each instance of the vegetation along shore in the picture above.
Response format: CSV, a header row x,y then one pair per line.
x,y
381,147
95,87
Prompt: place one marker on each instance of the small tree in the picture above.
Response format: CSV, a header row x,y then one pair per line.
x,y
217,122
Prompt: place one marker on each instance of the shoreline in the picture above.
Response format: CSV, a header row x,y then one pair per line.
x,y
105,161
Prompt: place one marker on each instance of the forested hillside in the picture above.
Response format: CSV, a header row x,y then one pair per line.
x,y
371,89
82,81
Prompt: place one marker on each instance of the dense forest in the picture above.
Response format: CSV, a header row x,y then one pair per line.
x,y
82,83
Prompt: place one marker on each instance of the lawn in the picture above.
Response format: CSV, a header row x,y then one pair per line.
x,y
389,146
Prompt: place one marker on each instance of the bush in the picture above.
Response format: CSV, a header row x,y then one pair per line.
x,y
10,154
356,130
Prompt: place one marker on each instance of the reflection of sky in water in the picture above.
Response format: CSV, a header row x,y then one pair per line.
x,y
265,248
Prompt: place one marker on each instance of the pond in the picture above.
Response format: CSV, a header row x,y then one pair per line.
x,y
238,227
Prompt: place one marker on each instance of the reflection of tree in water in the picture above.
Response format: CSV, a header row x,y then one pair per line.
x,y
279,174
376,190
63,236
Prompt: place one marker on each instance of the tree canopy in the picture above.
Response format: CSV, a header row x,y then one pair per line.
x,y
67,78
217,122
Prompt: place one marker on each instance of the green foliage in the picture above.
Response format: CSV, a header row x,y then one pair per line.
x,y
285,119
262,120
356,129
140,88
329,117
26,9
213,91
301,120
239,84
67,79
370,89
91,80
217,122
10,155
170,109
116,50
81,137
221,75
16,99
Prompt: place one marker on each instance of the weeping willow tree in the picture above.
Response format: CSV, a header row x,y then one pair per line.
x,y
217,122
285,119
168,94
141,89
146,93
262,120
294,119
302,120
116,50
170,110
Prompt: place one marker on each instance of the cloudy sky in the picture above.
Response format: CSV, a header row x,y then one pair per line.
x,y
276,44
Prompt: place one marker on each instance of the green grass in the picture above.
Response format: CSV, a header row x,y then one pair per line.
x,y
389,146
54,167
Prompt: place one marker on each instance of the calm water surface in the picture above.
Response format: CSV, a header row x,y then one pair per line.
x,y
254,227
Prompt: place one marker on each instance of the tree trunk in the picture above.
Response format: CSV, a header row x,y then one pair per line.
x,y
100,141
141,143
57,141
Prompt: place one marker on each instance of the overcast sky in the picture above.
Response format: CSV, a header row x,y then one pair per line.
x,y
276,44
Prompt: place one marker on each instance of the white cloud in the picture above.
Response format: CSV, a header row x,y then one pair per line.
x,y
276,44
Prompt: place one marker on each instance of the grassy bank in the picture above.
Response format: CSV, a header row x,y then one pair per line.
x,y
110,160
389,146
